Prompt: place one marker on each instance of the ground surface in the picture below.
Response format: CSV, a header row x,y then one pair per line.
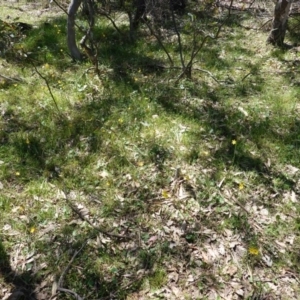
x,y
136,185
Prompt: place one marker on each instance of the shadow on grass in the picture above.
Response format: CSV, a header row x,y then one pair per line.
x,y
229,124
41,148
46,44
24,283
293,29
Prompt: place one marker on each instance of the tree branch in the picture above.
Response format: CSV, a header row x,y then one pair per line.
x,y
48,86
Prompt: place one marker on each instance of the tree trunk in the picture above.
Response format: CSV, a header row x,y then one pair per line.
x,y
279,25
71,39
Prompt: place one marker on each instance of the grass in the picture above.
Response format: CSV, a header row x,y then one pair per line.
x,y
200,176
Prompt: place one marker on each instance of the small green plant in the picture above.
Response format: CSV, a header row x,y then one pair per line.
x,y
158,279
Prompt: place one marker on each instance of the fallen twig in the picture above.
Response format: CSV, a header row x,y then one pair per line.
x,y
209,73
11,79
246,76
61,278
77,297
101,230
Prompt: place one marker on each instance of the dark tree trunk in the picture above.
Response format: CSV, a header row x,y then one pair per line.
x,y
140,11
71,39
280,20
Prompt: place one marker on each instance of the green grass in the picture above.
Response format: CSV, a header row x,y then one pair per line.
x,y
144,156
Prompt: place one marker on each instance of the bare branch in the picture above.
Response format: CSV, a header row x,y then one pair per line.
x,y
106,15
178,38
48,86
160,42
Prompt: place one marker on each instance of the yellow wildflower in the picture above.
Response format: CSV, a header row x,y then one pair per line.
x,y
253,250
165,194
233,142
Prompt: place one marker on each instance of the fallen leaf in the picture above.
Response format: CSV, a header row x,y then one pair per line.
x,y
291,169
173,277
153,239
104,174
231,270
243,111
6,227
267,260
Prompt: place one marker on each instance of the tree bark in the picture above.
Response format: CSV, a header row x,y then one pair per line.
x,y
71,39
279,24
